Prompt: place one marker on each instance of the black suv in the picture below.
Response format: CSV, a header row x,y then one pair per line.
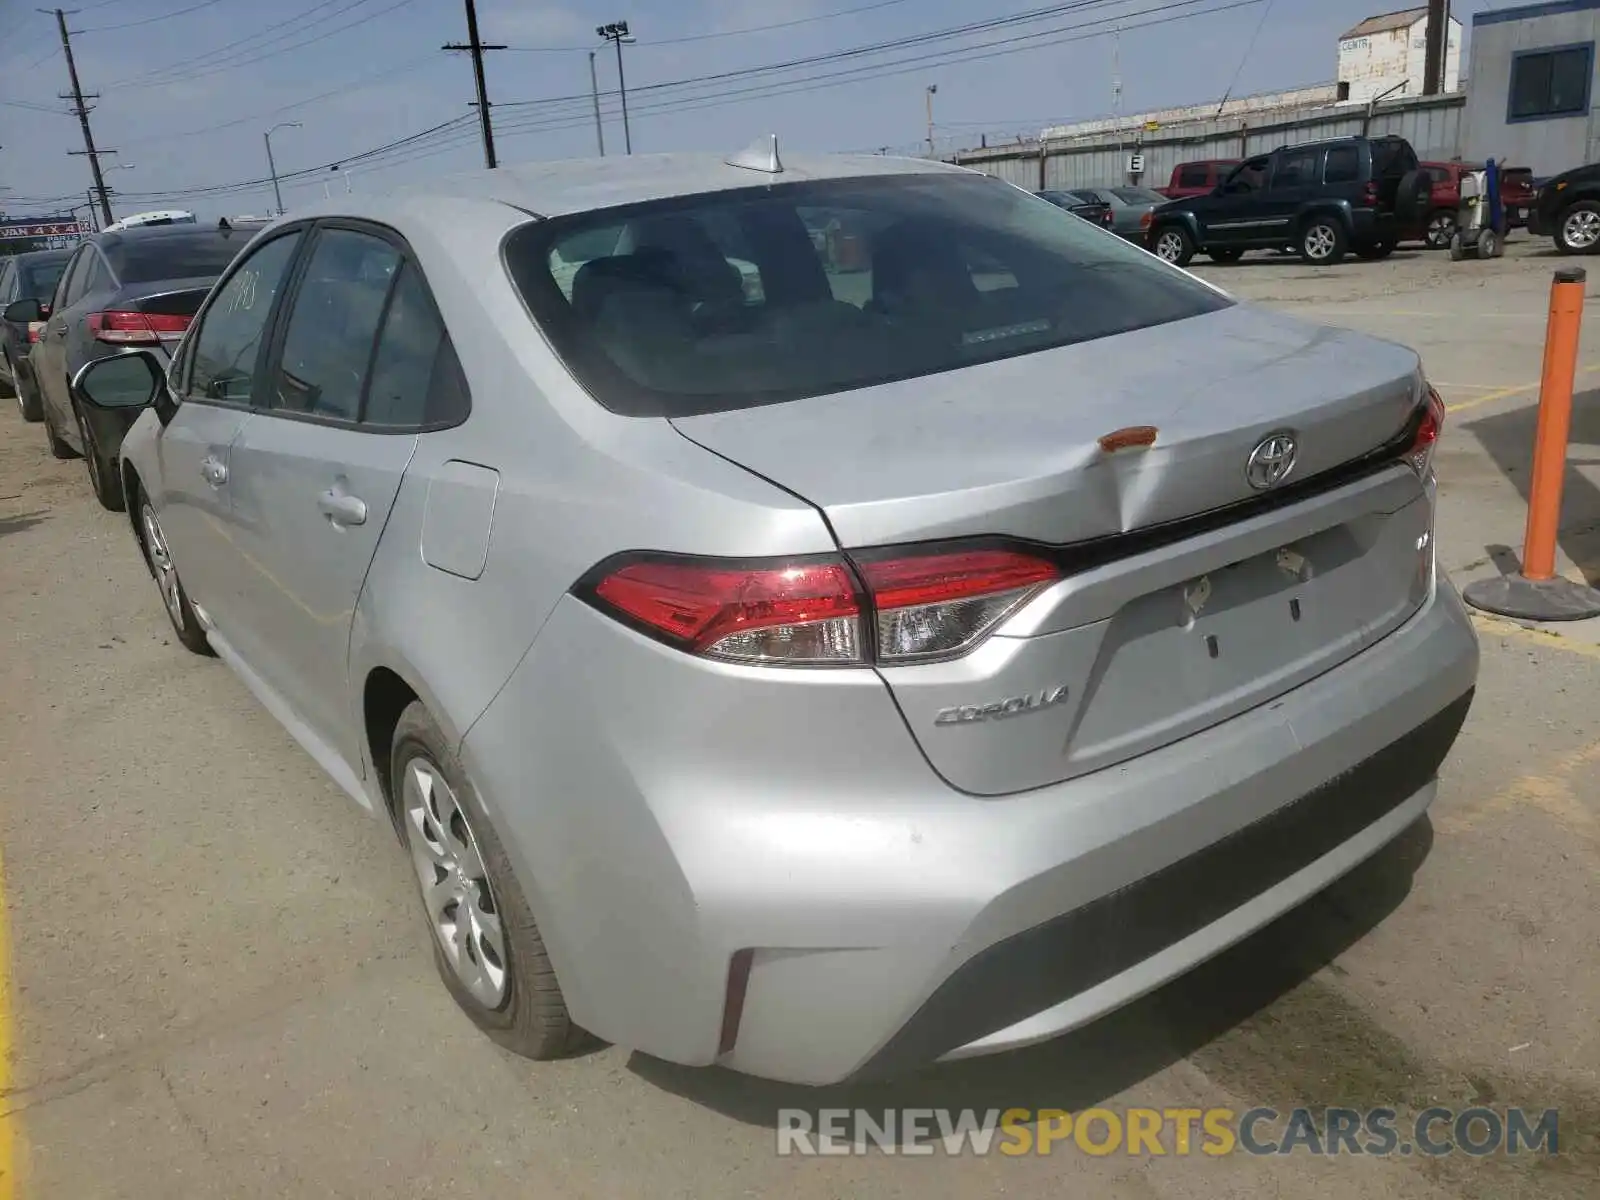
x,y
1566,208
1322,199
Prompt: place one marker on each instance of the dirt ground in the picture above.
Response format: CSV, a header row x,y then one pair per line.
x,y
220,985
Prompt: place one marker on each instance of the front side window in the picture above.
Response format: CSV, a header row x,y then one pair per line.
x,y
1247,177
1194,175
332,325
1551,83
227,347
732,299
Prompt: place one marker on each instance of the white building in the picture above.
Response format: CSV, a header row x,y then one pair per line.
x,y
1387,54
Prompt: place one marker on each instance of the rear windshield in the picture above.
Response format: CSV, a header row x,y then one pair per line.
x,y
39,278
738,298
1138,196
176,255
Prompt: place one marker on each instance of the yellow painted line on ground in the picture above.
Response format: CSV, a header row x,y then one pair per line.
x,y
1506,392
8,1134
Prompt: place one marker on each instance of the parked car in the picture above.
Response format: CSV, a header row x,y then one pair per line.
x,y
1566,209
818,687
1197,178
25,276
1325,198
133,287
1082,204
1130,208
1439,225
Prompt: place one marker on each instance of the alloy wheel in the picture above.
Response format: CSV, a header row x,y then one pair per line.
x,y
1320,241
1169,246
455,886
1581,229
1440,230
161,560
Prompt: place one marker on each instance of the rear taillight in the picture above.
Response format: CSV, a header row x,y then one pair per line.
x,y
1369,193
1420,456
892,608
136,328
35,328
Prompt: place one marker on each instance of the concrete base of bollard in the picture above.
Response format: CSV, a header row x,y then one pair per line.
x,y
1555,599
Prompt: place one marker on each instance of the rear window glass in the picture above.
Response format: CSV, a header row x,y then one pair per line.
x,y
39,279
1133,195
738,298
177,255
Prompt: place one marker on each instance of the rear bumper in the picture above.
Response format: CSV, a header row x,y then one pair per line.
x,y
665,813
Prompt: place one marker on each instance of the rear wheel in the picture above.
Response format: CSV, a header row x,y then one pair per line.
x,y
1225,256
10,381
1458,247
485,943
1372,251
1578,228
1441,228
1322,241
104,478
59,448
1490,245
27,398
1174,245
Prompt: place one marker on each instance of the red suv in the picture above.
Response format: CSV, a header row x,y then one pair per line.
x,y
1516,197
1197,178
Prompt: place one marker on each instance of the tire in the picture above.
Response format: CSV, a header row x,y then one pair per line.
x,y
1172,243
1225,256
1440,229
517,1003
28,400
1322,241
105,478
158,558
58,447
1374,251
1490,245
1578,228
10,381
1458,247
1412,197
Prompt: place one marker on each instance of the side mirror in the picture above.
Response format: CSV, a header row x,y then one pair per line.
x,y
125,381
21,312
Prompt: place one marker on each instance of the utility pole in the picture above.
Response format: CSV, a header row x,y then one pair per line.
x,y
82,109
1437,39
477,46
933,89
594,94
1116,95
272,167
616,32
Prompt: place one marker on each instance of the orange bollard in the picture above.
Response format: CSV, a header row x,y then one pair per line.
x,y
1536,592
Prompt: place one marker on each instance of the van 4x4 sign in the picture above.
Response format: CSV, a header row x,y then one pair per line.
x,y
27,230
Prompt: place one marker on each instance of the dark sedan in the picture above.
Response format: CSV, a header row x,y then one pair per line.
x,y
1083,204
29,276
133,288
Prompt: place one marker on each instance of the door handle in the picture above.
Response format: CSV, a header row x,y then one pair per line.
x,y
341,508
214,471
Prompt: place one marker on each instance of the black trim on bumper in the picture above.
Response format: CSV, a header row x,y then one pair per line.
x,y
1040,967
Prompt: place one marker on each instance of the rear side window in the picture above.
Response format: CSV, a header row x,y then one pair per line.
x,y
334,320
416,377
71,288
737,298
99,277
1343,165
1295,168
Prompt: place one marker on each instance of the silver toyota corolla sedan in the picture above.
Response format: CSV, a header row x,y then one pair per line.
x,y
819,617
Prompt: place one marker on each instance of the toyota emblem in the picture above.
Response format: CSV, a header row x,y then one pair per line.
x,y
1271,461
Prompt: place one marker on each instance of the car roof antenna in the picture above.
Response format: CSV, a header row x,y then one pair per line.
x,y
760,155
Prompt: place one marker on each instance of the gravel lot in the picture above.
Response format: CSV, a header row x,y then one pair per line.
x,y
220,985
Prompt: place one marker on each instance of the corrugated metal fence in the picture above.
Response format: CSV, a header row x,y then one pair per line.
x,y
1432,124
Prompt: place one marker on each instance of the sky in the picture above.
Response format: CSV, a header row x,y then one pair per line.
x,y
188,88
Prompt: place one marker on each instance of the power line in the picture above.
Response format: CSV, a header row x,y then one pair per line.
x,y
152,20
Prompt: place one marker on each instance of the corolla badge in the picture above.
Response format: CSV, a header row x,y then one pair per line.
x,y
1011,706
1271,461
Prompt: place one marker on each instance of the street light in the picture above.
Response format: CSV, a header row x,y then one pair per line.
x,y
616,32
933,90
272,167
